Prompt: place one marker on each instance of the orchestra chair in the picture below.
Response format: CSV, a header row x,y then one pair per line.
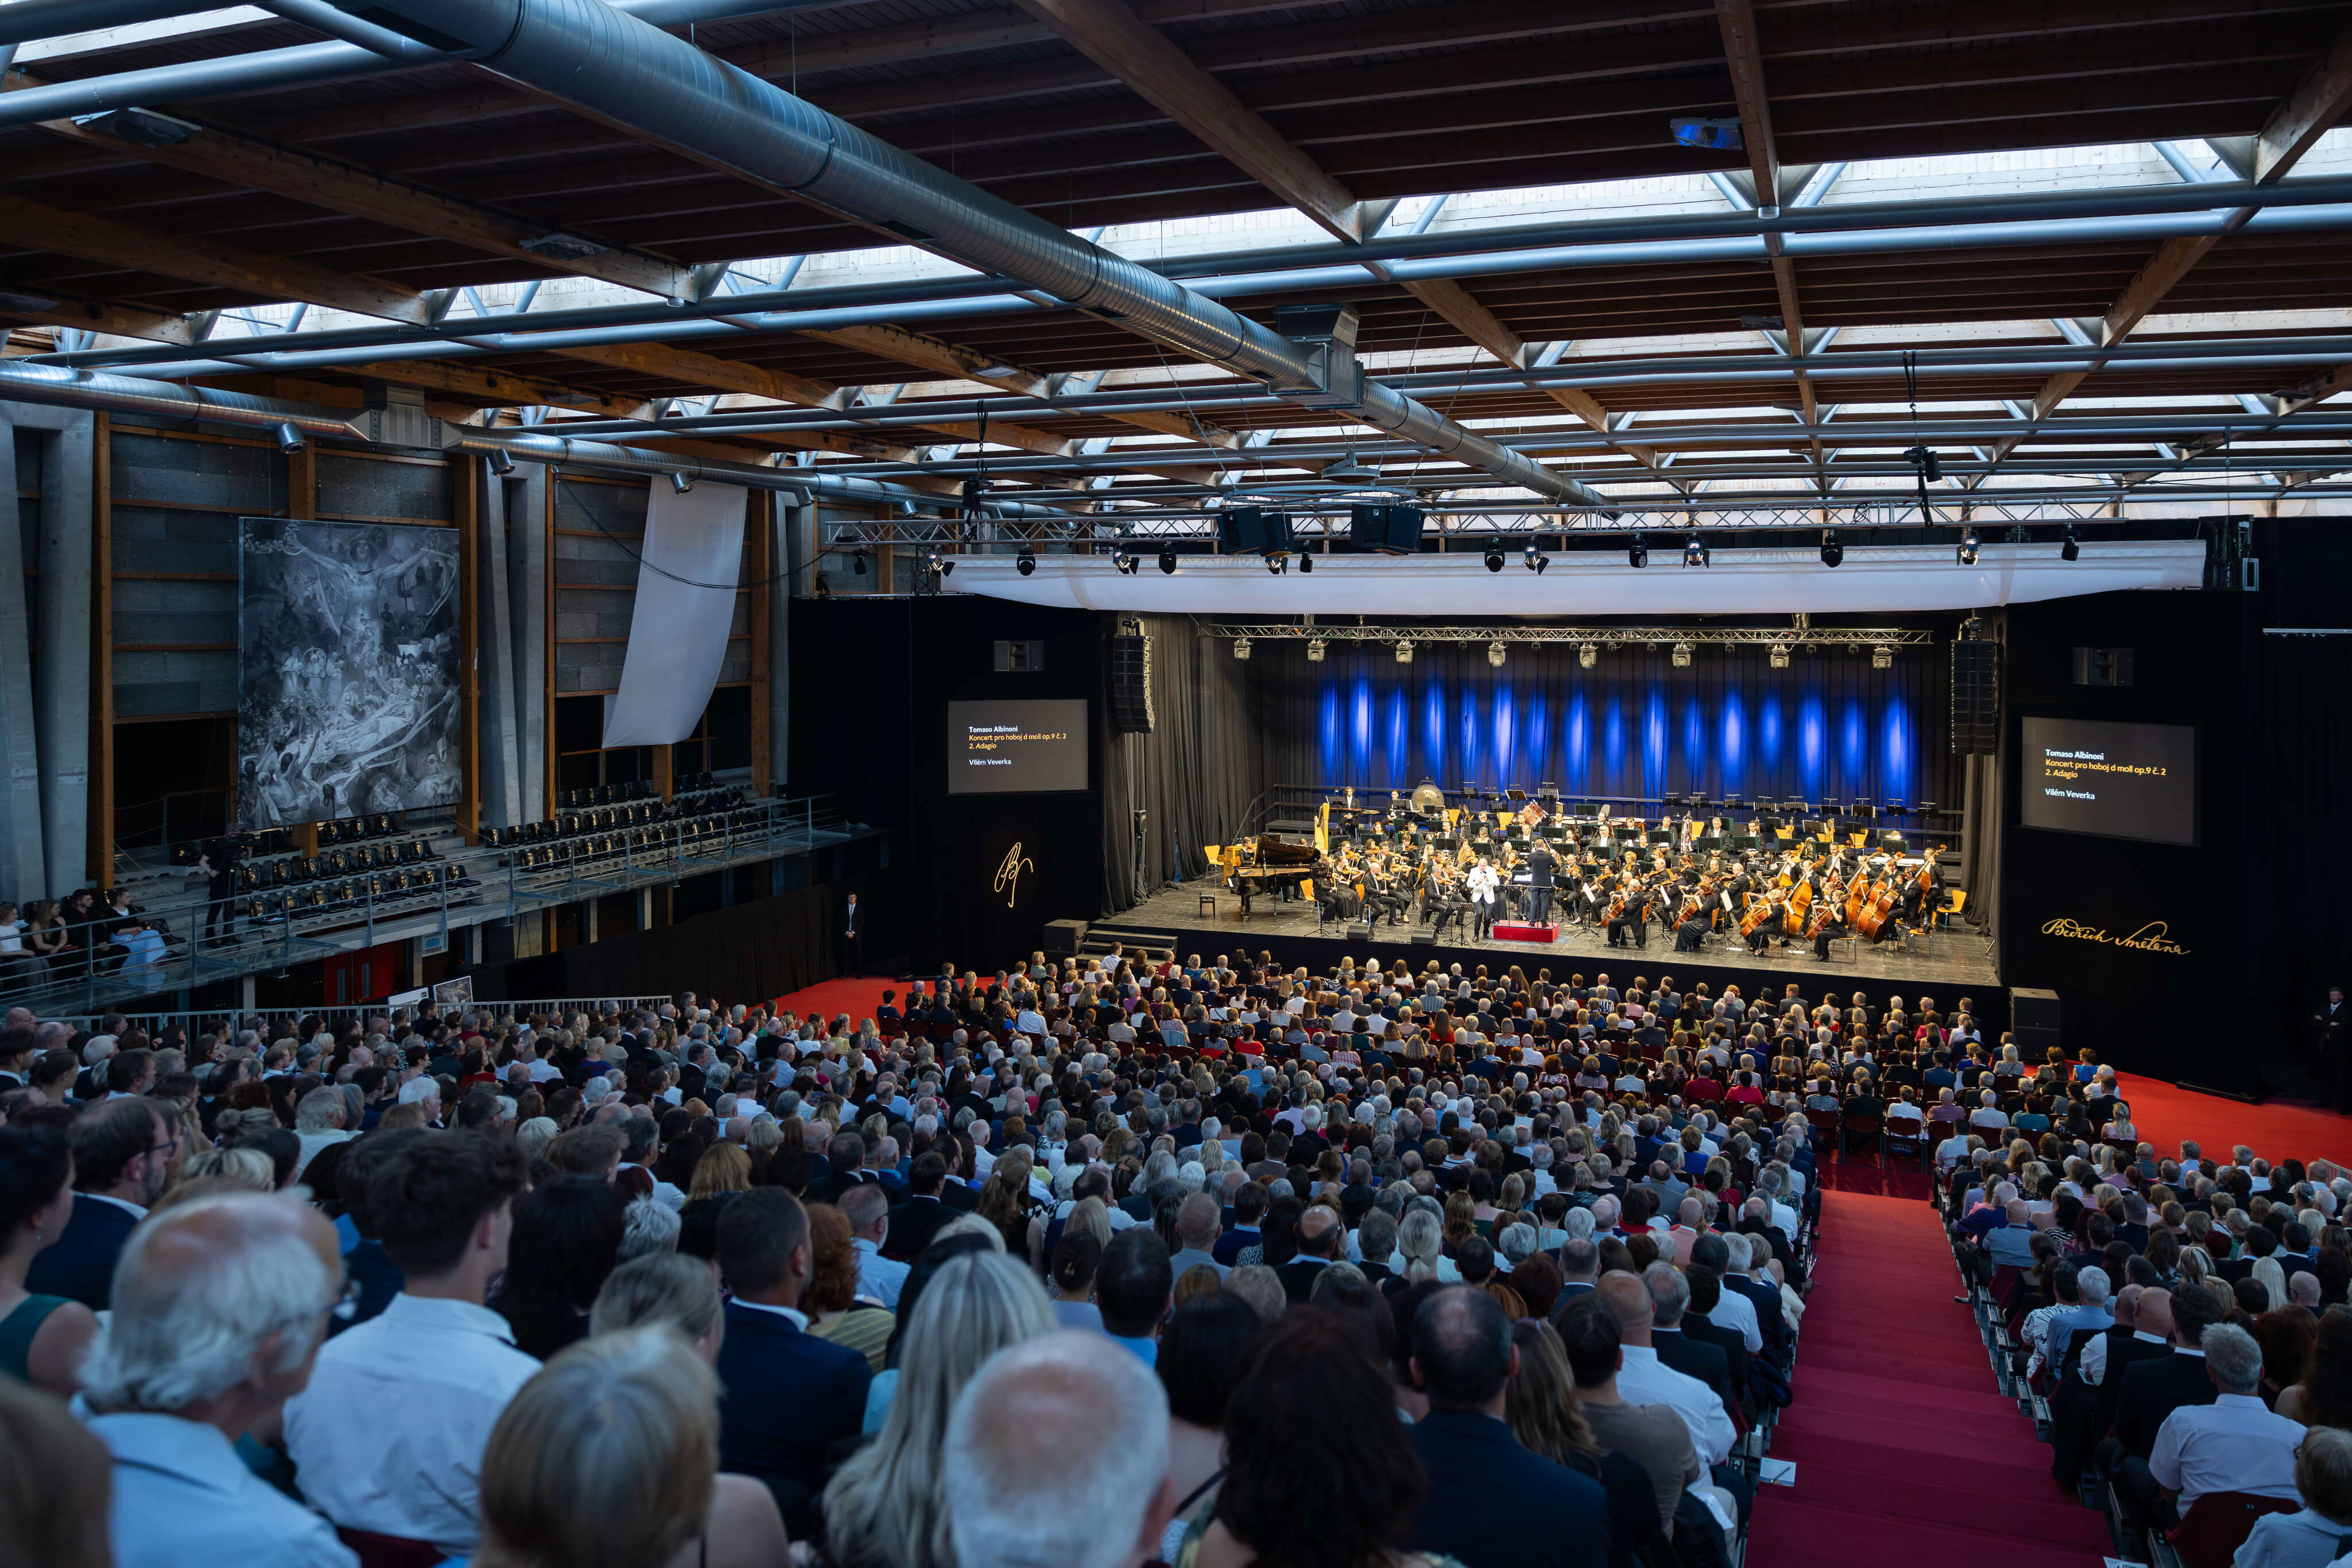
x,y
1208,906
1960,900
1912,1135
2211,1533
1216,853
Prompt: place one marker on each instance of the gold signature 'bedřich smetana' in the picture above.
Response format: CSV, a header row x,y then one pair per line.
x,y
2149,938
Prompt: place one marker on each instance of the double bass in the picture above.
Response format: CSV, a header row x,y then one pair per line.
x,y
1871,921
1800,899
1759,910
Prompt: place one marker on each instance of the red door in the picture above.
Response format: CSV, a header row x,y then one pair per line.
x,y
366,975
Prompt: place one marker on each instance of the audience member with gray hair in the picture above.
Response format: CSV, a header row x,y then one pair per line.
x,y
219,1308
1056,1456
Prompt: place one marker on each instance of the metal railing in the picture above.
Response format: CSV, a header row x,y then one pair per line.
x,y
471,886
200,1021
1299,802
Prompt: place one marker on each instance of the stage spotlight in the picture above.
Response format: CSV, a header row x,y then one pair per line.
x,y
1027,561
1404,651
1315,650
1536,559
1277,564
1587,657
290,438
937,564
1637,554
1124,564
1778,656
1168,559
857,561
681,483
1682,655
1306,562
1695,551
1882,657
1923,459
1495,654
1494,557
2072,549
1969,544
1241,648
1832,553
502,461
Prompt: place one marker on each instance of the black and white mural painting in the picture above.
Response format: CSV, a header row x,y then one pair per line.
x,y
347,669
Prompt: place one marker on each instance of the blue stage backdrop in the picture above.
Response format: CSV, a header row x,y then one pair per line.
x,y
1634,727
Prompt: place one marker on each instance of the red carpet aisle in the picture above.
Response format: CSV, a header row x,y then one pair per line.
x,y
2164,1114
1905,1450
858,998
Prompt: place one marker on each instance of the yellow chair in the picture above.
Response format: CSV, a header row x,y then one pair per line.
x,y
1959,901
1784,834
1855,838
1216,853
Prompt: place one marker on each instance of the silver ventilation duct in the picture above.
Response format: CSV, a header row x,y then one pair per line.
x,y
403,425
627,73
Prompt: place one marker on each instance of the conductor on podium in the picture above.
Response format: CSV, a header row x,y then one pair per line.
x,y
1541,865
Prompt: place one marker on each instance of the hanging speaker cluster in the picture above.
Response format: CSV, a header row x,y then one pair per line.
x,y
1976,697
1130,684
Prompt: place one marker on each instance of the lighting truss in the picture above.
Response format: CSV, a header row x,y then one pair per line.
x,y
1861,638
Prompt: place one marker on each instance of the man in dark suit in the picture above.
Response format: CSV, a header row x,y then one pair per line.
x,y
1320,1238
1541,864
1669,1300
845,1167
914,1222
2082,1413
789,1395
853,938
2155,1388
1490,1500
1706,1290
122,1153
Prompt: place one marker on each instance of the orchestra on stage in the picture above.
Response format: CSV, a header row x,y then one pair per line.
x,y
1699,880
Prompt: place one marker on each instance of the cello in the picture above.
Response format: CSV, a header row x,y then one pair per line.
x,y
1800,899
1831,906
1872,922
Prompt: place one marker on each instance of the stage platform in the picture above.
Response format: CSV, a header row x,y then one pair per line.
x,y
1961,958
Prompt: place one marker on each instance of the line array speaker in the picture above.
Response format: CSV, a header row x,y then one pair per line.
x,y
1976,697
1130,684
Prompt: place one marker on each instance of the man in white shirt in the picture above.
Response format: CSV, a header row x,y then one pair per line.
x,y
220,1306
879,1279
1643,1379
388,1437
2234,1444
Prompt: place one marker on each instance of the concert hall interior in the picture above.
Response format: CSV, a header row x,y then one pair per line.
x,y
1201,630
471,500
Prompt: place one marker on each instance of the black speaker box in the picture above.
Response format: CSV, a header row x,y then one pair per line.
x,y
2030,1009
1359,931
1253,530
1388,530
1131,686
1424,939
1976,698
1064,937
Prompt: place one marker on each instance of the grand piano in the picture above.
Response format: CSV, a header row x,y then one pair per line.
x,y
1267,864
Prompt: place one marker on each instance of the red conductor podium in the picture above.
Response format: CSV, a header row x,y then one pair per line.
x,y
1524,931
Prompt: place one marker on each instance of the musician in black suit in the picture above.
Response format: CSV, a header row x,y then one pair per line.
x,y
1541,863
2328,1049
1635,917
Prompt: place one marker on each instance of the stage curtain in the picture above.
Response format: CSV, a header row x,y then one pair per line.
x,y
1829,728
1194,776
2301,795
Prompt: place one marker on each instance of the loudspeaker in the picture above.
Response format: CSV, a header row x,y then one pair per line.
x,y
1423,939
1253,530
1130,684
2102,666
1359,931
1976,698
2032,1010
1064,937
1388,530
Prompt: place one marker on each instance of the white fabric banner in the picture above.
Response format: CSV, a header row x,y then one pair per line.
x,y
690,562
1582,582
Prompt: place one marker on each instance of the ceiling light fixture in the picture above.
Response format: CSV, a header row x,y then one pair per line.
x,y
1695,551
1637,554
1168,559
1587,657
1832,553
1027,561
2072,548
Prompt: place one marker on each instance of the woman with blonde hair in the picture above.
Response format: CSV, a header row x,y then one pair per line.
x,y
723,1168
883,1507
608,1457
